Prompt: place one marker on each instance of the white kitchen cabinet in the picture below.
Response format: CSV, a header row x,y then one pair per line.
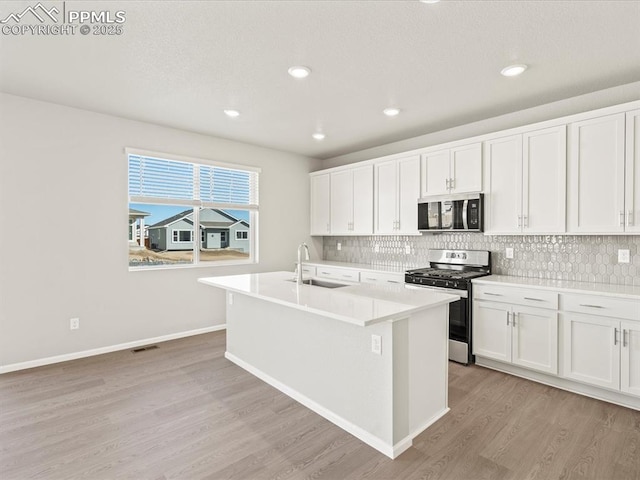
x,y
320,204
381,278
630,358
509,330
525,182
396,193
351,201
596,176
452,170
601,342
632,172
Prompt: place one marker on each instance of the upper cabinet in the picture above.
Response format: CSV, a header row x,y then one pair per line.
x,y
320,208
525,182
351,201
596,187
452,170
396,193
632,173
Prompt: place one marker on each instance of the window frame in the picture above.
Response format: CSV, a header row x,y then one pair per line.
x,y
244,237
252,208
175,232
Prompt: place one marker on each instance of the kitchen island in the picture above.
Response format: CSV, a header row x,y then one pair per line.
x,y
371,359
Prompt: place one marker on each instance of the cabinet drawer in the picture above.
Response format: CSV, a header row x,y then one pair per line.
x,y
518,296
602,306
338,273
381,278
309,270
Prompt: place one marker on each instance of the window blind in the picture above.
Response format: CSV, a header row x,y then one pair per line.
x,y
161,180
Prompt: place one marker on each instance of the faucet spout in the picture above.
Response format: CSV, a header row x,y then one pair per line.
x,y
302,246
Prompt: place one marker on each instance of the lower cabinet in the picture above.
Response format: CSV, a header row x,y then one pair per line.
x,y
602,351
521,335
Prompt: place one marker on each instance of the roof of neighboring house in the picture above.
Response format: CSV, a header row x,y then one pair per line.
x,y
138,213
170,220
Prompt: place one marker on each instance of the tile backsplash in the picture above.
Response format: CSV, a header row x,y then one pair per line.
x,y
592,258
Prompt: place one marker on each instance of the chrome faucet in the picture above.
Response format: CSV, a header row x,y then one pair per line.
x,y
299,267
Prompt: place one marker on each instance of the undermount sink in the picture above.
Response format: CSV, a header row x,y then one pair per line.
x,y
321,283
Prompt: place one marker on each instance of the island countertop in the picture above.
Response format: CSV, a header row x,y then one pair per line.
x,y
359,304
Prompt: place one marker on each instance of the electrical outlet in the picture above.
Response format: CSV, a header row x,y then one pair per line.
x,y
407,249
623,256
376,248
509,252
74,324
339,246
376,344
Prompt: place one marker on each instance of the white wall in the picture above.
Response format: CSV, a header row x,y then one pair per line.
x,y
569,106
63,231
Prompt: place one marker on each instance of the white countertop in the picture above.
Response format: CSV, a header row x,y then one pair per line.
x,y
566,286
360,304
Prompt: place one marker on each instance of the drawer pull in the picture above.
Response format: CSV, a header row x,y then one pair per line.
x,y
493,294
534,299
591,306
393,281
508,315
371,279
615,336
624,338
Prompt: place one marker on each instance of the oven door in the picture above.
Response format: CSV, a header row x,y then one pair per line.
x,y
459,325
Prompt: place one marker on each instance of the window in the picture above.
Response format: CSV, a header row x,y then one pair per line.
x,y
170,197
182,236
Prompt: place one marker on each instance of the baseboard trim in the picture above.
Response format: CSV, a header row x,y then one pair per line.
x,y
111,348
391,451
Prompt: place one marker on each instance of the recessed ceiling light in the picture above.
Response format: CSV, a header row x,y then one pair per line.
x,y
391,111
232,113
513,70
299,71
429,1
318,136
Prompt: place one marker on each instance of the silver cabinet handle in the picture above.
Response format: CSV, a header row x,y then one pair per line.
x,y
629,218
615,336
622,218
513,320
493,294
534,299
446,181
508,315
624,337
525,220
519,220
591,306
452,183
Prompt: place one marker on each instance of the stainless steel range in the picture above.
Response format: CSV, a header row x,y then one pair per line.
x,y
453,270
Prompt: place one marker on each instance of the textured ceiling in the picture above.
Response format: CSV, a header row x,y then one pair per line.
x,y
181,63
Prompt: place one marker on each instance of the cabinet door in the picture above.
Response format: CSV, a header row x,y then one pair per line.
x,y
591,350
595,194
408,194
503,184
435,173
491,334
386,197
632,172
544,180
630,358
320,205
341,202
535,339
362,221
466,168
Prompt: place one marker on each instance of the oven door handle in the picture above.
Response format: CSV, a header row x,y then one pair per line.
x,y
465,206
451,291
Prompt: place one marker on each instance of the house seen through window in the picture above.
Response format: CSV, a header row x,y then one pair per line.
x,y
189,213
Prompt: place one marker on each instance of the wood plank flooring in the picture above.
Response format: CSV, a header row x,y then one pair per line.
x,y
183,411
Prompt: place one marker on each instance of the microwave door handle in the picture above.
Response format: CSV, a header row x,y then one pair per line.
x,y
465,206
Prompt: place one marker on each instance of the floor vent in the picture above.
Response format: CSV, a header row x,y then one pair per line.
x,y
142,349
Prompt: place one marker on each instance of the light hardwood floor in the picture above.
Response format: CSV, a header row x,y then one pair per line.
x,y
183,411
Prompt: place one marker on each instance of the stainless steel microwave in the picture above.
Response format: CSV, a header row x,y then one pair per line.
x,y
451,213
